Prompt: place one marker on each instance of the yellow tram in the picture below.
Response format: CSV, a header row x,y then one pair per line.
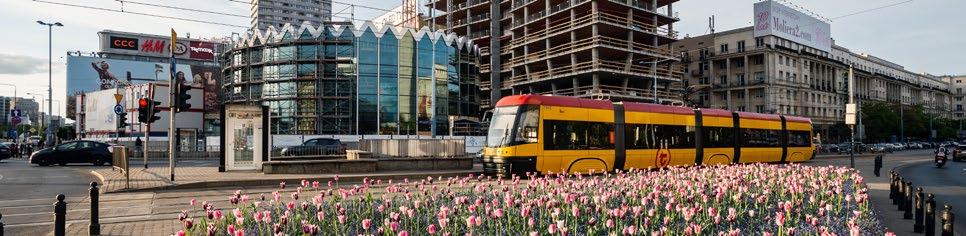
x,y
552,134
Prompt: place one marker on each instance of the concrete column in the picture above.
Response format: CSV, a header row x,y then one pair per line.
x,y
495,51
596,83
576,85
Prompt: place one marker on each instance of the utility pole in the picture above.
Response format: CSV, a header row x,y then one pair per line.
x,y
850,117
173,90
50,78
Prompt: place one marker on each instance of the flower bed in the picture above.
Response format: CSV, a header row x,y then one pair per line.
x,y
731,200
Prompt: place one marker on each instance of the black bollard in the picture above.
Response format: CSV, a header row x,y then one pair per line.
x,y
902,194
60,216
948,219
95,226
878,164
930,215
908,210
892,186
917,227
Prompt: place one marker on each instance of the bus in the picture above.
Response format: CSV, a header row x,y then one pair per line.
x,y
555,134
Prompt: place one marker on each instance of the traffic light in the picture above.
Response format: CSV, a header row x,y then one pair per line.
x,y
122,120
147,112
143,110
182,104
154,111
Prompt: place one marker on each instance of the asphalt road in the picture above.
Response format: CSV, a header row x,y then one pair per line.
x,y
27,192
947,183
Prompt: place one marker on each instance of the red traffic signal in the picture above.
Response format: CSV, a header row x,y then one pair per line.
x,y
143,103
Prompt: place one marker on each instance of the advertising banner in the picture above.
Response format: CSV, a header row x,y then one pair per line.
x,y
156,46
88,74
773,18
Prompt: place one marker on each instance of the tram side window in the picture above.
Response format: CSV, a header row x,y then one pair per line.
x,y
718,137
761,138
799,138
527,121
650,136
576,135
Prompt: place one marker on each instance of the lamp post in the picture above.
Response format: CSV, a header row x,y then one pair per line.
x,y
50,73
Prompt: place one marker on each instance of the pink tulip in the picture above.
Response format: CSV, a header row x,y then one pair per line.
x,y
431,229
193,201
552,229
180,233
394,226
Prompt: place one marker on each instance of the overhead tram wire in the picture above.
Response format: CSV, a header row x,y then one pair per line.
x,y
181,8
872,9
141,14
336,2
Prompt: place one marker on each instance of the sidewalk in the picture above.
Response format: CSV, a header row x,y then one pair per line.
x,y
887,213
204,175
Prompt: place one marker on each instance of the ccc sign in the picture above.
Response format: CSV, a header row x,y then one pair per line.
x,y
124,43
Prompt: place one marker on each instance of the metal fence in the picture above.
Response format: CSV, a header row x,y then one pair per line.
x,y
159,150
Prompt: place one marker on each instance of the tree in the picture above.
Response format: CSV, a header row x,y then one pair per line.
x,y
879,120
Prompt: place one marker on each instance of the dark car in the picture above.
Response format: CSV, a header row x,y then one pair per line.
x,y
83,151
14,148
5,152
316,147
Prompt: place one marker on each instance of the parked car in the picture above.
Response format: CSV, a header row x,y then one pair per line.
x,y
959,152
316,146
81,151
5,152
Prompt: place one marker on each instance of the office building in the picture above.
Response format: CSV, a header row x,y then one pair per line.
x,y
771,74
277,13
348,80
28,107
616,50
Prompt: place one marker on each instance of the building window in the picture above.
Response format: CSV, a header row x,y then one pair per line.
x,y
759,42
724,48
723,79
741,46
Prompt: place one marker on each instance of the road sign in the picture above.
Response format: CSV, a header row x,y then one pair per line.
x,y
118,97
15,112
118,109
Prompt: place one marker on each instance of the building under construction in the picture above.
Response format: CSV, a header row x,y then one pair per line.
x,y
604,49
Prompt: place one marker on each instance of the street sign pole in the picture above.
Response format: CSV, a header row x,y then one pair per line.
x,y
171,107
144,146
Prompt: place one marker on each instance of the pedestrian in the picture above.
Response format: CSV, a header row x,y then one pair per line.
x,y
138,145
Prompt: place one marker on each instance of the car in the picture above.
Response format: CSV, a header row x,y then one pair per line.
x,y
81,151
316,146
959,152
5,152
14,148
877,148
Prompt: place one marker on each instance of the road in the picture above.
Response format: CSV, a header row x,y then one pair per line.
x,y
27,192
947,183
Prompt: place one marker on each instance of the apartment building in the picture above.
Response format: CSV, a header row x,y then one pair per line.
x,y
957,89
770,74
603,49
276,13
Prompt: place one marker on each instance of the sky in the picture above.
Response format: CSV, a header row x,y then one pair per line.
x,y
921,35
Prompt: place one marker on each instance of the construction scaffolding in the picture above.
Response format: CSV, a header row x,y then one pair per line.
x,y
605,49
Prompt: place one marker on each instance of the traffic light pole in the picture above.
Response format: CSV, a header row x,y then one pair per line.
x,y
144,147
172,154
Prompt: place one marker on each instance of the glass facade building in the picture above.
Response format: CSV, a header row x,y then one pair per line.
x,y
342,79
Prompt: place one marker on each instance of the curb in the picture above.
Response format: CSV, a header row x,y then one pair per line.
x,y
100,178
271,182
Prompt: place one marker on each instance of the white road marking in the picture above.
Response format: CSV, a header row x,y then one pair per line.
x,y
1,176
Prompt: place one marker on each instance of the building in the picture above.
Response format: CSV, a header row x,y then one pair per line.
x,y
957,88
615,50
342,79
28,107
277,13
770,74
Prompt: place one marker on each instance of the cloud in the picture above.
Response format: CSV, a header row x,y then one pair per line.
x,y
21,64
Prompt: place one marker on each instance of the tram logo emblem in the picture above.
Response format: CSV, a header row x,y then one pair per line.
x,y
663,157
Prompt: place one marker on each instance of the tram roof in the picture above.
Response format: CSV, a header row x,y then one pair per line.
x,y
530,99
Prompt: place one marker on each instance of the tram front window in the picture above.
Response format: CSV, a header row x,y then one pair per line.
x,y
513,125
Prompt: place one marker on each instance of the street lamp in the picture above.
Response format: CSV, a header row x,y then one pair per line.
x,y
50,73
654,73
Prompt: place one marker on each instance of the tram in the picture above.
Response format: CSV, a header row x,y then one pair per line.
x,y
555,134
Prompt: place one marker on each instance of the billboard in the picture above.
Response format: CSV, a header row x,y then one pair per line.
x,y
772,18
155,46
88,74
